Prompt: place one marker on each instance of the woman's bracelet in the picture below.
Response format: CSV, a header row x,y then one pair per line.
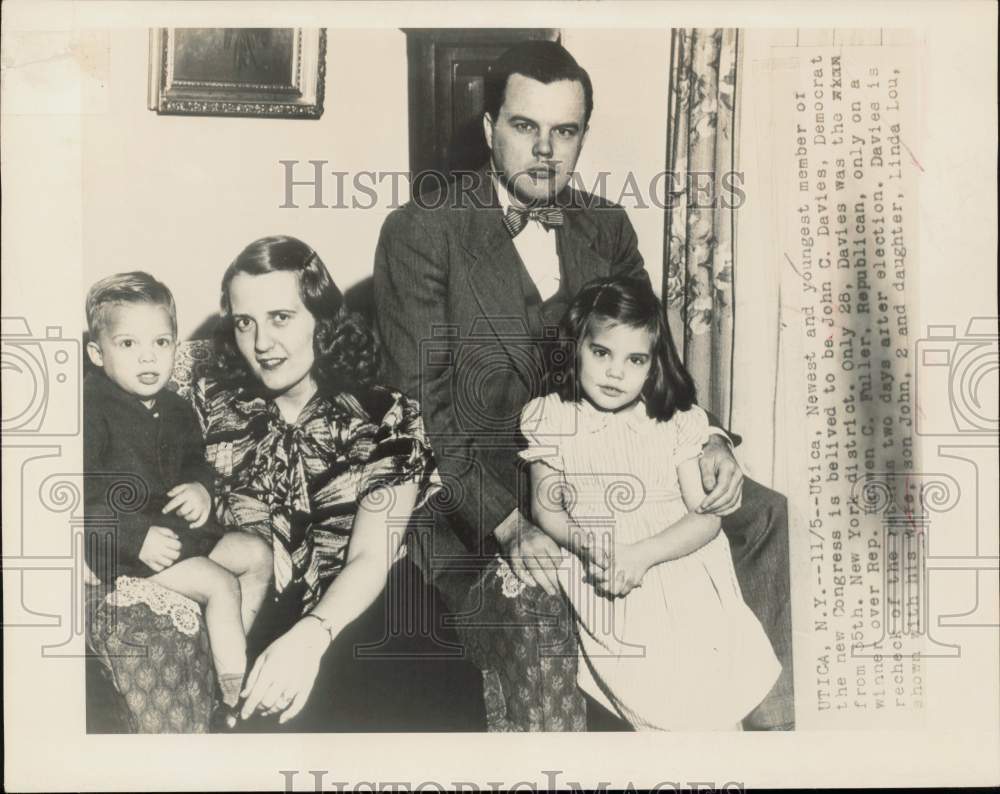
x,y
323,622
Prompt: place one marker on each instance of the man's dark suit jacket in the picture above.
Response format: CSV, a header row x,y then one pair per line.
x,y
451,313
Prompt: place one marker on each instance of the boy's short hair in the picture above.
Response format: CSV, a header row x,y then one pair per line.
x,y
126,288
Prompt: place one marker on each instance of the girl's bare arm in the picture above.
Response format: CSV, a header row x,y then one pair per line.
x,y
548,511
689,533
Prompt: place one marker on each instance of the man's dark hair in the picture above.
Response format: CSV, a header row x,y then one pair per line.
x,y
544,61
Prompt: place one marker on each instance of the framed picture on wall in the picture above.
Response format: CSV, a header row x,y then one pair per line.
x,y
260,72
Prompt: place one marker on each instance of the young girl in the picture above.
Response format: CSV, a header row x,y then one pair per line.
x,y
665,638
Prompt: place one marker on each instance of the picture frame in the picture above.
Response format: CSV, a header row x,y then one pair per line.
x,y
250,72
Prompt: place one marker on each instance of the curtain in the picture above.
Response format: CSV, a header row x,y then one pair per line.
x,y
698,238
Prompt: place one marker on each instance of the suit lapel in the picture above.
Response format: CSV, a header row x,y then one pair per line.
x,y
580,263
494,275
493,264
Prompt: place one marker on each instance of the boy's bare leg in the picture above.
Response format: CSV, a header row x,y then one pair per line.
x,y
247,556
218,590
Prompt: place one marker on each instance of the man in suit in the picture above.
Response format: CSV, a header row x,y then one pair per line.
x,y
469,285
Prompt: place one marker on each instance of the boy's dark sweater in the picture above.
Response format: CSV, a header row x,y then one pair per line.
x,y
132,456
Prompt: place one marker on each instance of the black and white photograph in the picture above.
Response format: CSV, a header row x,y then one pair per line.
x,y
276,72
376,374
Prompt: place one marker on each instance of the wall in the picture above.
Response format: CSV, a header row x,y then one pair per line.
x,y
180,196
628,129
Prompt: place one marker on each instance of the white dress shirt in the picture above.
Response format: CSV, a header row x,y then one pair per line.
x,y
536,246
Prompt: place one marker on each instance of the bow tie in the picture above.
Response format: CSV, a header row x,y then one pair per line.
x,y
515,219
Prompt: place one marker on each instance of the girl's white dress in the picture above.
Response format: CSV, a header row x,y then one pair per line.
x,y
683,651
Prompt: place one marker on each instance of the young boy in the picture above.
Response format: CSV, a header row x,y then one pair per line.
x,y
135,428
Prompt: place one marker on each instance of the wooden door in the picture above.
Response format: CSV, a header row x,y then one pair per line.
x,y
447,82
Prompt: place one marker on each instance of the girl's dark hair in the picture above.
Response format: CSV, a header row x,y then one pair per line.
x,y
626,301
344,346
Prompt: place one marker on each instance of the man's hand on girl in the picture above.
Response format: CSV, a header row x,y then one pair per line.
x,y
722,478
534,557
192,501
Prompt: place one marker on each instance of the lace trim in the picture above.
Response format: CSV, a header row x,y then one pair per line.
x,y
184,613
512,586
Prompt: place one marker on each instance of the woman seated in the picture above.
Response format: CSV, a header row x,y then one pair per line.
x,y
327,467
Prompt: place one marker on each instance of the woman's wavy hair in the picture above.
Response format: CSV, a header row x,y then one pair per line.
x,y
344,346
623,300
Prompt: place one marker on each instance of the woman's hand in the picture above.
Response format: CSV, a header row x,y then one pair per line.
x,y
283,676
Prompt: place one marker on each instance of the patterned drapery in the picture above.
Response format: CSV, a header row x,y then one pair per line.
x,y
699,242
